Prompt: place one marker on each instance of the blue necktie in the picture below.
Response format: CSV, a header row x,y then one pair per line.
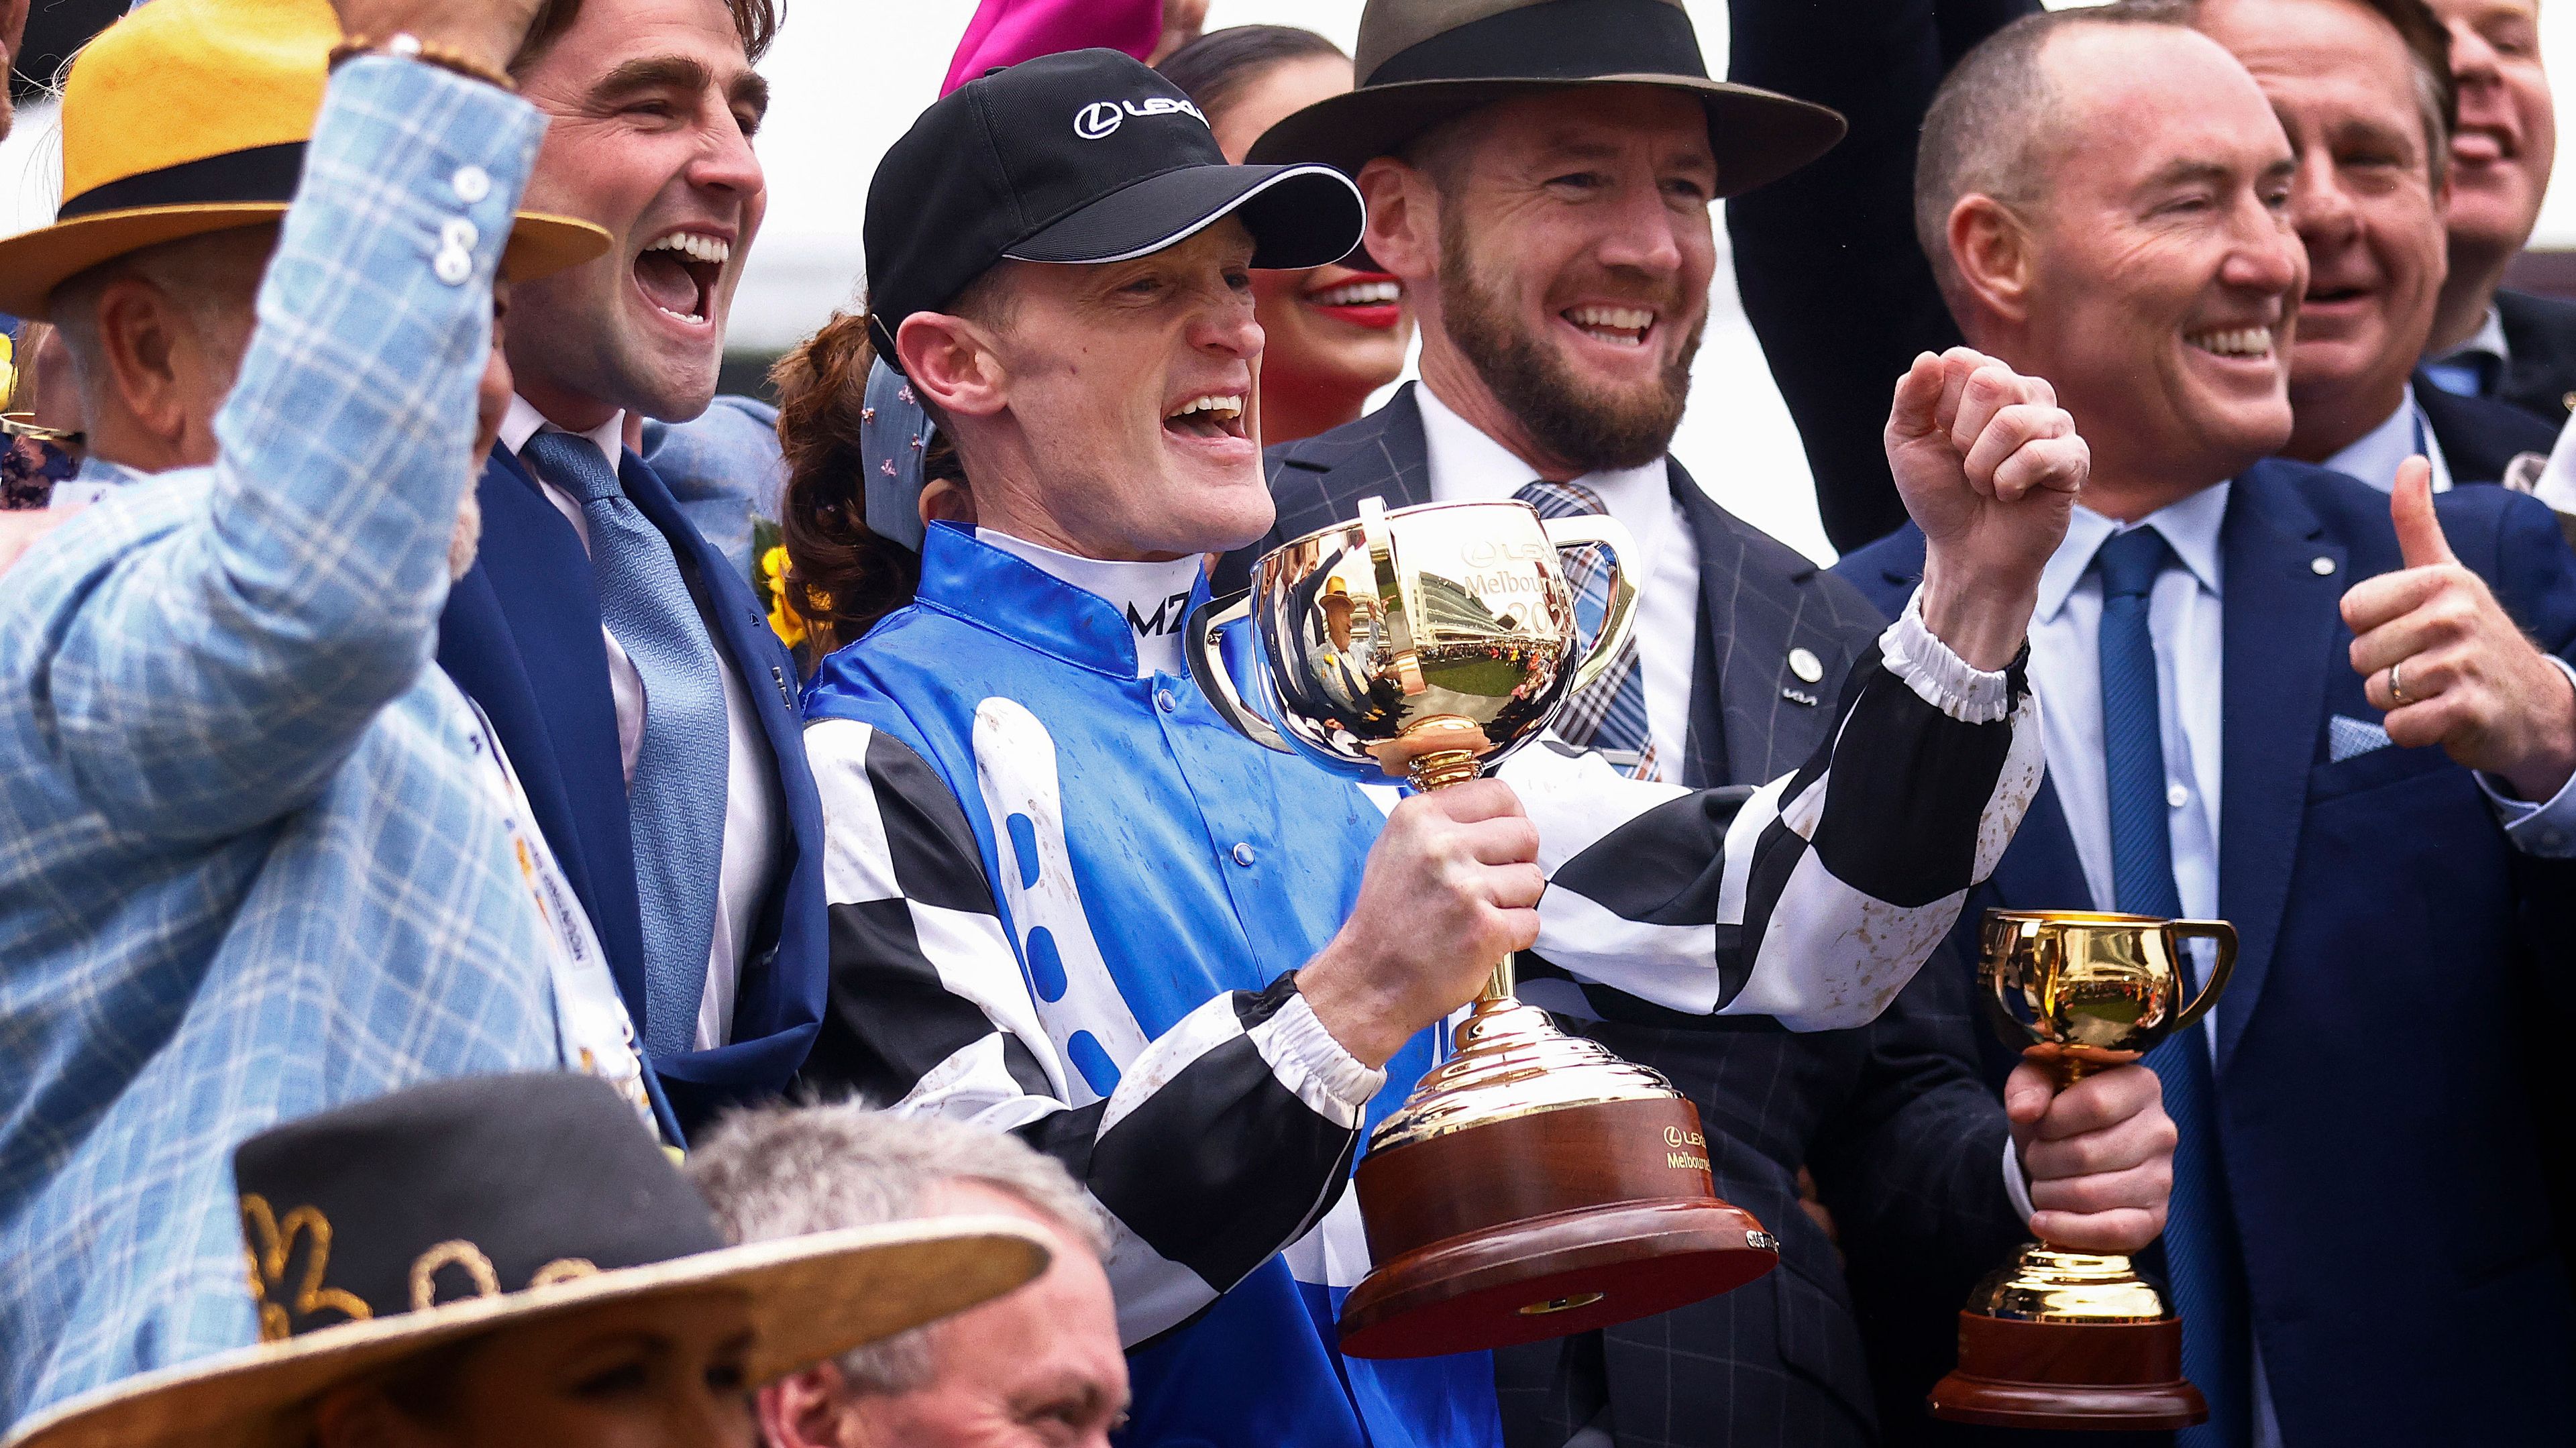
x,y
1611,715
675,805
2204,1276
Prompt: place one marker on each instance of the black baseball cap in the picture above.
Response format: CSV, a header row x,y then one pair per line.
x,y
1082,157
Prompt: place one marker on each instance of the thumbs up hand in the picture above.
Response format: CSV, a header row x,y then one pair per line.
x,y
2447,663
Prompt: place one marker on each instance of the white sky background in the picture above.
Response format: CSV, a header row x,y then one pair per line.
x,y
849,75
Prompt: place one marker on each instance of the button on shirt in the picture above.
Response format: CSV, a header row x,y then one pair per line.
x,y
755,811
1466,466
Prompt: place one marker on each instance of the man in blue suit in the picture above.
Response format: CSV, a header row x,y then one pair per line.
x,y
622,658
2245,667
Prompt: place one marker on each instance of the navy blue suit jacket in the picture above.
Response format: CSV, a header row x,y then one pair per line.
x,y
2380,1133
522,636
2479,436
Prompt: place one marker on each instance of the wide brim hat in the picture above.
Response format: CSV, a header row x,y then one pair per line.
x,y
376,1231
810,1298
189,117
1423,62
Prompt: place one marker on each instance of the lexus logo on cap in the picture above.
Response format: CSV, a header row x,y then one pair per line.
x,y
1098,119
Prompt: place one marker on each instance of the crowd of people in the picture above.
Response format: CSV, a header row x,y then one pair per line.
x,y
540,904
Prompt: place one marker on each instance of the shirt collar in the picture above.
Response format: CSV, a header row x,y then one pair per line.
x,y
1465,464
2488,338
2375,455
2190,527
1143,593
997,590
523,422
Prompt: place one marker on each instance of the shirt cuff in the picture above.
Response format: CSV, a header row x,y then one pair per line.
x,y
2016,1182
2547,830
1944,680
1308,1061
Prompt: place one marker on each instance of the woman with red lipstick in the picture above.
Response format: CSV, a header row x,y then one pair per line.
x,y
1335,334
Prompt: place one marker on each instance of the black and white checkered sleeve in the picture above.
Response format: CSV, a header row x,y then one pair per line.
x,y
1812,899
1226,1138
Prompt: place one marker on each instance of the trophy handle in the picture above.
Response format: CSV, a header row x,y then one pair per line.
x,y
1198,645
2225,935
1599,530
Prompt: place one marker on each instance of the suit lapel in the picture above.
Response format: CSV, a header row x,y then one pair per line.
x,y
768,1001
521,634
2281,626
1751,718
1322,479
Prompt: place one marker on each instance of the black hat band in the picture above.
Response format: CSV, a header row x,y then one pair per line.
x,y
1572,39
258,176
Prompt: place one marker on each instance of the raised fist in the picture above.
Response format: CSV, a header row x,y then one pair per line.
x,y
1989,466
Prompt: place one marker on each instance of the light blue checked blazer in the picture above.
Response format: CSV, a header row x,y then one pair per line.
x,y
249,864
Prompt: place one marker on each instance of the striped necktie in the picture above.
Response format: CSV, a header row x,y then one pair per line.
x,y
2204,1271
1610,715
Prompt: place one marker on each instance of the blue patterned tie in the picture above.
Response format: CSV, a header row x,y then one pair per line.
x,y
1611,715
676,803
2204,1275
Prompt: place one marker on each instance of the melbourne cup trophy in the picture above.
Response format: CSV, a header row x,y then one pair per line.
x,y
1534,1185
2060,1339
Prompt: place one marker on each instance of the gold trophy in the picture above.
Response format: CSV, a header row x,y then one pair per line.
x,y
2063,1339
1534,1185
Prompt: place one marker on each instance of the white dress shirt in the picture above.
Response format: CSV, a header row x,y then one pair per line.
x,y
1466,466
2373,457
2185,612
755,809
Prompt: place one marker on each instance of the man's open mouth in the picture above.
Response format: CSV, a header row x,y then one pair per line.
x,y
678,274
2233,341
1213,415
1618,326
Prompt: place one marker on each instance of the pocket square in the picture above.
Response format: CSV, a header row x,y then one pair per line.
x,y
2346,737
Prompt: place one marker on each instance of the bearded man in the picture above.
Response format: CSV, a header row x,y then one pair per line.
x,y
1556,237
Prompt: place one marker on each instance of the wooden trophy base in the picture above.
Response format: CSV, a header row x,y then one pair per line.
x,y
2104,1376
1544,1224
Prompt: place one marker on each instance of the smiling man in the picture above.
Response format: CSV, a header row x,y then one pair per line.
x,y
1558,241
2489,342
1071,901
2364,93
623,660
2110,203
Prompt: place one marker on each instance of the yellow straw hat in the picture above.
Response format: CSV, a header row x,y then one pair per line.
x,y
191,116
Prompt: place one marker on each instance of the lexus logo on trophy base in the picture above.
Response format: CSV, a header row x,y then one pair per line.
x,y
1534,1185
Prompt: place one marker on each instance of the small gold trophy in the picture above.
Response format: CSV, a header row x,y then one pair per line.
x,y
2062,1339
1534,1185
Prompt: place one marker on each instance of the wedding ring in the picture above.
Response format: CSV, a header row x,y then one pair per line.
x,y
2396,688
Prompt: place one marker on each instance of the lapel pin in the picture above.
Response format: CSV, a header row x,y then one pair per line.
x,y
2321,565
1805,664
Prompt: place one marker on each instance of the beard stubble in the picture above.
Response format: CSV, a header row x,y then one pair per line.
x,y
1587,428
